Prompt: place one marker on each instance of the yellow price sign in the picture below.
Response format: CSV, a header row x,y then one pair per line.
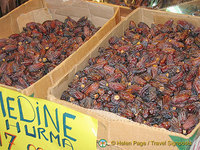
x,y
29,123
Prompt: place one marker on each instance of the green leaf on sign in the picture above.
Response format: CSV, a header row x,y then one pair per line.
x,y
32,95
179,140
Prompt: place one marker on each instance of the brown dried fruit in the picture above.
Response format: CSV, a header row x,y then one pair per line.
x,y
149,75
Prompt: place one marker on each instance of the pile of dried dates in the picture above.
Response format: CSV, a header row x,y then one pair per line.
x,y
28,56
150,75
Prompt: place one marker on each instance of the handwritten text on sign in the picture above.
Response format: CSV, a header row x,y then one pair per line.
x,y
33,124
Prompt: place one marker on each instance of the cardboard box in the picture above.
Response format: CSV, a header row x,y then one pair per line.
x,y
115,129
124,11
36,10
9,22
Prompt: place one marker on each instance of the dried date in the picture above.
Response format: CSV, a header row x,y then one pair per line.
x,y
39,48
150,75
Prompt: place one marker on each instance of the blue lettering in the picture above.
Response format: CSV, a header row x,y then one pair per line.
x,y
21,112
65,127
29,146
17,126
55,137
2,105
0,140
30,134
45,117
41,131
10,108
38,115
69,144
